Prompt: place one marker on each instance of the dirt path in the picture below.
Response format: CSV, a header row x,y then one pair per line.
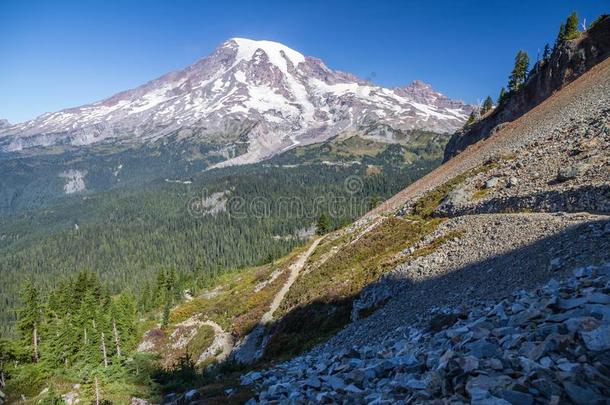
x,y
251,347
295,269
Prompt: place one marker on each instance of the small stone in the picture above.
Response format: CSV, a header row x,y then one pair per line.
x,y
480,383
492,182
582,323
555,264
598,298
336,383
571,303
313,382
482,349
451,333
580,395
191,395
581,272
512,181
251,377
517,397
597,339
416,384
546,362
571,172
565,365
495,364
352,389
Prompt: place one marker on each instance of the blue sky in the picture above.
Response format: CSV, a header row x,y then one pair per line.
x,y
59,54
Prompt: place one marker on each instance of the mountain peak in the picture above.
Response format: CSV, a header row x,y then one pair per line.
x,y
255,90
278,53
418,84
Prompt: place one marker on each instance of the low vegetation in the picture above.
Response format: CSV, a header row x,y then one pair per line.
x,y
319,303
426,205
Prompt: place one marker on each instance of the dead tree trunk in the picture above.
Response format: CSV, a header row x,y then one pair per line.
x,y
117,340
97,392
35,339
104,350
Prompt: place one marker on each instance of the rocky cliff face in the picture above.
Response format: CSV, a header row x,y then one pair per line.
x,y
261,94
568,62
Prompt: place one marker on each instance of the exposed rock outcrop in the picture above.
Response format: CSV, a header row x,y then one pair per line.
x,y
570,60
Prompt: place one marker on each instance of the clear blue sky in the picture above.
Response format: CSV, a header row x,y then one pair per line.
x,y
58,54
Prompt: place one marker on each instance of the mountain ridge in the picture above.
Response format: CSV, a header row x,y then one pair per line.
x,y
258,92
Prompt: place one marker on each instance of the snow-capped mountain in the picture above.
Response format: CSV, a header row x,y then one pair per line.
x,y
261,93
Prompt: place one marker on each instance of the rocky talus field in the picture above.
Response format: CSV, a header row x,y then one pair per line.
x,y
506,300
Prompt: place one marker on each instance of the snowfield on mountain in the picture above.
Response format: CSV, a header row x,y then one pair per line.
x,y
260,93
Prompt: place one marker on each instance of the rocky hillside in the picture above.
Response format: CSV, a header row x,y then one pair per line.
x,y
487,281
570,60
248,100
504,301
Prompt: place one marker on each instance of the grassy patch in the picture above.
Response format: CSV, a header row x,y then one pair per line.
x,y
234,301
436,243
480,193
201,341
319,303
358,264
425,206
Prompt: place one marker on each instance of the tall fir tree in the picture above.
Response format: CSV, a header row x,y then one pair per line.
x,y
546,53
571,27
323,225
488,104
502,96
166,312
519,73
29,318
561,35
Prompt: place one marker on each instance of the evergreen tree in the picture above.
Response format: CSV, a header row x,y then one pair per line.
x,y
88,330
160,289
546,53
568,30
487,105
30,318
124,321
561,35
519,73
323,226
502,96
166,311
471,119
571,28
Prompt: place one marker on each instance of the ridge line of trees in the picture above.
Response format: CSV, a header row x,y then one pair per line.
x,y
567,31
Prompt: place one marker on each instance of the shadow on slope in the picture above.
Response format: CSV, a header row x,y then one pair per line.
x,y
589,198
488,279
